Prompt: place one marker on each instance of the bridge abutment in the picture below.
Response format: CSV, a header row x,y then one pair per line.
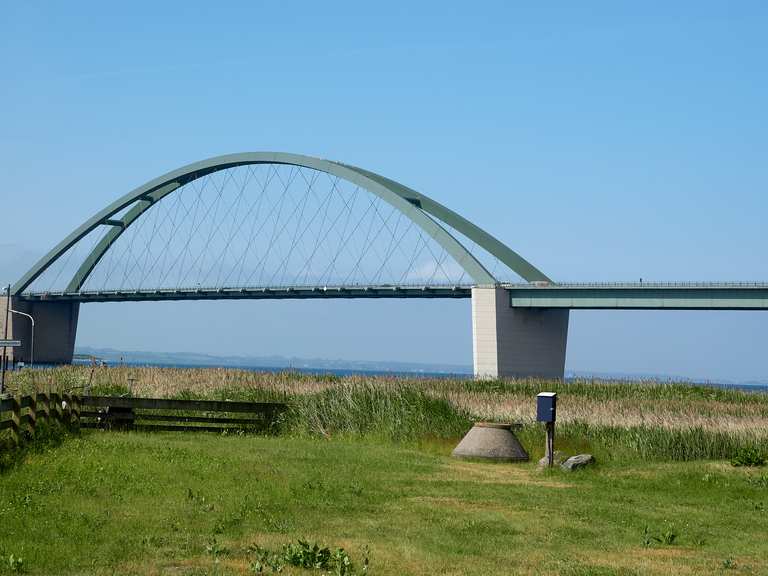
x,y
55,330
516,342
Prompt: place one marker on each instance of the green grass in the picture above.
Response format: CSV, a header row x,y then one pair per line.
x,y
47,436
167,503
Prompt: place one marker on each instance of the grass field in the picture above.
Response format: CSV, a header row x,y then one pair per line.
x,y
171,503
364,464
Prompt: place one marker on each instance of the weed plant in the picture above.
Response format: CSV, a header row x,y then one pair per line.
x,y
748,456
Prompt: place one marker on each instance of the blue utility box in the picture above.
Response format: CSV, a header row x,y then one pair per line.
x,y
546,406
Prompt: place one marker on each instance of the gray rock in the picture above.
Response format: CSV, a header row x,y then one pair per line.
x,y
579,461
558,459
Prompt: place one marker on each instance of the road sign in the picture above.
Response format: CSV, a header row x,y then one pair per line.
x,y
10,343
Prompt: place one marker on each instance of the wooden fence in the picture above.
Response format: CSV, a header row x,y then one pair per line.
x,y
110,413
184,415
26,412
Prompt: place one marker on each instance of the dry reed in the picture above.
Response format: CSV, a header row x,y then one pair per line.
x,y
595,403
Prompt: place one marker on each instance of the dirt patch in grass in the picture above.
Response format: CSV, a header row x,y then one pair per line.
x,y
677,560
462,471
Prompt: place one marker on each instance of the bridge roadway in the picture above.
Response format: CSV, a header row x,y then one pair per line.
x,y
588,296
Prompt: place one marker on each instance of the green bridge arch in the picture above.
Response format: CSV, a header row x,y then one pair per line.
x,y
425,212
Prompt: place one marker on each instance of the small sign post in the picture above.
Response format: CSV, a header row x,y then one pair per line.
x,y
4,360
546,411
5,344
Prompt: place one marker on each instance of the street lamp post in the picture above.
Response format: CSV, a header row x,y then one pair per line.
x,y
32,338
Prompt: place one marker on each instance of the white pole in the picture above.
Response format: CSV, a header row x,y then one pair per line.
x,y
32,340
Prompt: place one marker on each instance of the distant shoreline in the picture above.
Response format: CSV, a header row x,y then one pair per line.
x,y
273,363
345,368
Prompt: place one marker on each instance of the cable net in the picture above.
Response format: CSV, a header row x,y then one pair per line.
x,y
266,225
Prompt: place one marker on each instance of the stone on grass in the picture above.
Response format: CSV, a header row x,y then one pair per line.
x,y
558,459
491,441
579,461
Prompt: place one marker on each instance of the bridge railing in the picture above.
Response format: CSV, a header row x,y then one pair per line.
x,y
265,291
639,284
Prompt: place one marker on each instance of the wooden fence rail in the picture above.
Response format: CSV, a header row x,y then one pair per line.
x,y
109,412
183,415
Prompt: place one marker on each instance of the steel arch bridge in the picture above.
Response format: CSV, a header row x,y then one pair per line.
x,y
265,225
432,219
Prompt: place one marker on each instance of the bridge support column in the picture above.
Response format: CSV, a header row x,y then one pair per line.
x,y
55,330
516,342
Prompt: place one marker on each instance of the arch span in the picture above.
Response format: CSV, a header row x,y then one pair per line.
x,y
426,213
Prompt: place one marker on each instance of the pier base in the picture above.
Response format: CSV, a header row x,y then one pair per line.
x,y
55,330
516,342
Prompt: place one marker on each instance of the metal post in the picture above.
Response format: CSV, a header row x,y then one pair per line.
x,y
546,411
550,448
32,339
3,360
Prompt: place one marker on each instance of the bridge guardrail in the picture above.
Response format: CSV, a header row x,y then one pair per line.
x,y
703,285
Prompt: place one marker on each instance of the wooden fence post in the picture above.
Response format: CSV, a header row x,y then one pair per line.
x,y
67,410
45,411
47,407
33,413
69,413
16,420
55,406
76,410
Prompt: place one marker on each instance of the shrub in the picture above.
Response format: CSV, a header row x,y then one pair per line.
x,y
307,556
748,456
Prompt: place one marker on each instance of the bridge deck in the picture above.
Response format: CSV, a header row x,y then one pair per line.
x,y
643,296
628,296
275,293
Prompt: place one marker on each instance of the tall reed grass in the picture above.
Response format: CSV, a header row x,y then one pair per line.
x,y
654,420
395,412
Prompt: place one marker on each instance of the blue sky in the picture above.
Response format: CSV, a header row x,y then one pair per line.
x,y
601,140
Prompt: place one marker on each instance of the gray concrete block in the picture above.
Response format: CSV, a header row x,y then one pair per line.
x,y
491,441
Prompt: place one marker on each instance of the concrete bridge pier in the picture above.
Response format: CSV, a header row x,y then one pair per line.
x,y
516,342
55,330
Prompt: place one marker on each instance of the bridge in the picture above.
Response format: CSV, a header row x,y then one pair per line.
x,y
267,225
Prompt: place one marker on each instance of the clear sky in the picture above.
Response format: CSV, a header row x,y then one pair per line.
x,y
601,140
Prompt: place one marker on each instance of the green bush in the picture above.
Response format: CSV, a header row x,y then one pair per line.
x,y
307,556
748,456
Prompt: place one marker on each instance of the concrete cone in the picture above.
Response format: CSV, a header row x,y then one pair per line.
x,y
491,441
